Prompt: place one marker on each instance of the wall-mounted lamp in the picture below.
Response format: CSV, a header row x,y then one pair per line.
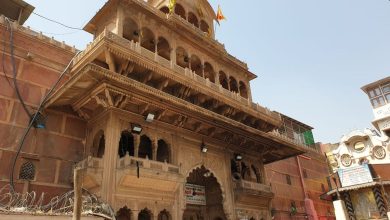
x,y
149,117
136,128
203,148
238,157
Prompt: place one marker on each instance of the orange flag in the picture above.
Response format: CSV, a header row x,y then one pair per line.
x,y
220,16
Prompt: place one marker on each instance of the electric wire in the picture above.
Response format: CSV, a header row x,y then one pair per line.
x,y
27,130
3,58
11,39
54,21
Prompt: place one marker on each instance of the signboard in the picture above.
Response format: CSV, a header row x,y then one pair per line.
x,y
195,195
355,175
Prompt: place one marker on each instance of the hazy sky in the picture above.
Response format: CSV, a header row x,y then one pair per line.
x,y
311,56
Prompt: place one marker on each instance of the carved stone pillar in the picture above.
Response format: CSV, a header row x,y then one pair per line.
x,y
154,148
112,136
137,141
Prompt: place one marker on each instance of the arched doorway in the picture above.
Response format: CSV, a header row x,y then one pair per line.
x,y
202,182
145,214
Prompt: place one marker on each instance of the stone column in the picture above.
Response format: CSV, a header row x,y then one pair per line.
x,y
154,148
137,141
119,22
112,132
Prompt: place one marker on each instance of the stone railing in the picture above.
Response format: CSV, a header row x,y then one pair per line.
x,y
27,30
90,162
136,47
243,184
129,161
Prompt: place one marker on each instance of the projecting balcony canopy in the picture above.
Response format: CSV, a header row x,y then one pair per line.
x,y
163,90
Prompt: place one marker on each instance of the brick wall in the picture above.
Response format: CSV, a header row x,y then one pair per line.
x,y
314,171
55,149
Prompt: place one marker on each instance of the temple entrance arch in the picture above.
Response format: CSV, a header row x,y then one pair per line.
x,y
204,200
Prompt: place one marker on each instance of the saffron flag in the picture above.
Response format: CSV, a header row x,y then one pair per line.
x,y
171,6
220,16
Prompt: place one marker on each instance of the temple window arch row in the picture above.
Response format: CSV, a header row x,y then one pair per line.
x,y
146,146
200,64
191,17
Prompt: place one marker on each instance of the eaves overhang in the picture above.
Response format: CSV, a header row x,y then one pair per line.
x,y
92,81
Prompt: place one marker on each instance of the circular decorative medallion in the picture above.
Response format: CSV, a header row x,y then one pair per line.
x,y
379,152
359,146
346,160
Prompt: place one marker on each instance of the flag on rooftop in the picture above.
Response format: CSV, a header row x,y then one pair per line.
x,y
220,15
171,6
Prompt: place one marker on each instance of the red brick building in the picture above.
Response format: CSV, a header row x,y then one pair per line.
x,y
299,181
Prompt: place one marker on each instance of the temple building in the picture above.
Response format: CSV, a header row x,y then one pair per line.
x,y
155,112
360,184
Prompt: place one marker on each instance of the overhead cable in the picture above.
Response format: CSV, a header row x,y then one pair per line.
x,y
57,22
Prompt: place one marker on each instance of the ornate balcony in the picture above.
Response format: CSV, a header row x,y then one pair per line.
x,y
249,193
132,173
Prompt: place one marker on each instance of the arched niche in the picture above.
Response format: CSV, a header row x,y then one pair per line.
x,y
145,214
192,19
209,72
123,214
163,151
145,148
233,84
196,65
98,146
182,57
164,10
130,30
126,144
243,90
164,215
223,80
163,48
179,10
147,39
204,26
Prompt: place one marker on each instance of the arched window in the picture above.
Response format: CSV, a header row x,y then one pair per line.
x,y
98,145
123,214
126,144
209,72
223,80
182,58
164,10
147,39
163,48
145,148
233,84
145,214
204,26
163,152
101,148
27,171
193,19
196,65
130,30
164,215
243,90
179,10
257,174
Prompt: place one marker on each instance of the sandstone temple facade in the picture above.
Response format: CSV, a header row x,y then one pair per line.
x,y
155,112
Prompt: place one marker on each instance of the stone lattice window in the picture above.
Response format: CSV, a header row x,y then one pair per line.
x,y
27,171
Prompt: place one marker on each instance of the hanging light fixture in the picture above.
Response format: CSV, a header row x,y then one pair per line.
x,y
203,147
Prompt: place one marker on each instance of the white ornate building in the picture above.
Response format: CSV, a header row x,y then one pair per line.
x,y
361,161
